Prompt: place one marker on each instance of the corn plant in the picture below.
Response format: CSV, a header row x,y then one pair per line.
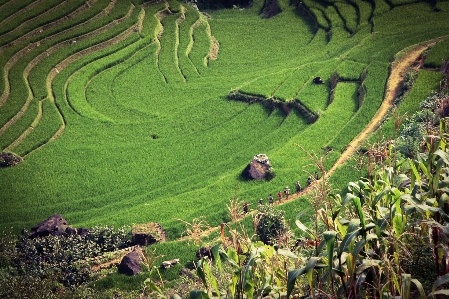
x,y
366,246
245,269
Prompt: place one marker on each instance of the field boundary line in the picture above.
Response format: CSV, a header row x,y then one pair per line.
x,y
177,22
47,53
190,45
33,30
28,130
13,60
22,10
158,31
62,65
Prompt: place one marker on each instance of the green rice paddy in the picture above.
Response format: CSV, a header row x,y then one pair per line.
x,y
122,115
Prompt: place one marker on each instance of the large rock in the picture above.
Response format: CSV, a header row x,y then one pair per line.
x,y
55,226
131,263
258,168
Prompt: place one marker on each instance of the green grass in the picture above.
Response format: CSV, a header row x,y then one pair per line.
x,y
168,57
137,148
45,129
349,15
20,126
438,55
12,7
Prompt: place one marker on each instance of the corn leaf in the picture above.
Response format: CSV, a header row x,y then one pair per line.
x,y
406,285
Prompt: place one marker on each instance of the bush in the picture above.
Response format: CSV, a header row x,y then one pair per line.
x,y
271,224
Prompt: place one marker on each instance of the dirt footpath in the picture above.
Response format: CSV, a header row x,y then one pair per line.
x,y
393,88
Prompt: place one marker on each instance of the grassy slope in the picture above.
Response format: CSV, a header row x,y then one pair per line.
x,y
116,173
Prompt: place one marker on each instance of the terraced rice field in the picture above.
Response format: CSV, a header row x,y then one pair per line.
x,y
121,112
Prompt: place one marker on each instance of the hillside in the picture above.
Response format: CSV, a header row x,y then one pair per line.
x,y
121,109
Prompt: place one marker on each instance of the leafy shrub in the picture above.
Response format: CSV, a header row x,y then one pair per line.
x,y
271,224
58,258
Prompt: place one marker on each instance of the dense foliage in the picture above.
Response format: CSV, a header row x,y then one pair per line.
x,y
59,261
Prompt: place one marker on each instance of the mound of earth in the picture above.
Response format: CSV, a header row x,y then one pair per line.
x,y
9,159
147,234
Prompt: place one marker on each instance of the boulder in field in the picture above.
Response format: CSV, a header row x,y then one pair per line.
x,y
131,263
318,80
259,168
54,225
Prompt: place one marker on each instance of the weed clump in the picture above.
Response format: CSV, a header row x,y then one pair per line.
x,y
9,159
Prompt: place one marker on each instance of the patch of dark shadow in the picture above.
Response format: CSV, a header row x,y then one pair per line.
x,y
154,136
270,9
9,159
327,149
303,12
273,103
336,78
445,68
220,4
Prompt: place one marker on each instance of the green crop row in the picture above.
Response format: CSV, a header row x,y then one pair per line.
x,y
168,56
12,102
71,25
43,132
365,10
47,7
186,44
438,55
20,126
201,44
37,81
349,15
12,7
150,21
18,95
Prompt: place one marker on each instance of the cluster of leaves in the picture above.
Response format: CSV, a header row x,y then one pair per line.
x,y
57,260
371,234
270,224
421,123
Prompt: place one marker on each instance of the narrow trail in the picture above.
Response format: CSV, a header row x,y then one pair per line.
x,y
393,87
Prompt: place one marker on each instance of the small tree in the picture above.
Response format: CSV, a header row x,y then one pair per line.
x,y
271,224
